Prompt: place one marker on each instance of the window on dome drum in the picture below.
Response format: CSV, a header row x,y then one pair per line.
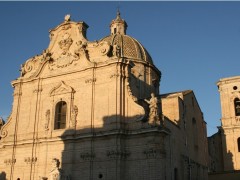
x,y
237,106
238,143
60,115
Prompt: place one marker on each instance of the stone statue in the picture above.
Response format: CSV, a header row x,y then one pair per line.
x,y
153,106
67,18
116,50
56,173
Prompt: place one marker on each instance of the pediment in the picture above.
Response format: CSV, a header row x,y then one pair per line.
x,y
61,88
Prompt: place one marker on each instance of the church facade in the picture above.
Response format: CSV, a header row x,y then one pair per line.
x,y
93,110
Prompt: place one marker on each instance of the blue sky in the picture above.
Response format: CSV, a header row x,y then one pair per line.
x,y
194,44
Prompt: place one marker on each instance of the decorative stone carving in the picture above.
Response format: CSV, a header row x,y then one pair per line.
x,y
66,27
150,153
17,94
3,133
237,119
61,88
153,106
47,119
56,173
9,161
64,60
115,154
65,43
130,92
37,90
97,49
67,18
114,75
30,160
46,55
81,52
91,80
3,129
32,65
74,114
87,156
116,50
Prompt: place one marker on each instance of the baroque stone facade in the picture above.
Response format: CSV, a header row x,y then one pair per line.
x,y
92,110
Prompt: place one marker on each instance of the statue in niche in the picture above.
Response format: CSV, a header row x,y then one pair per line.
x,y
116,50
56,173
74,115
153,106
47,119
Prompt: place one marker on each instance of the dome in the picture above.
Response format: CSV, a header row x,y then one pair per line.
x,y
130,47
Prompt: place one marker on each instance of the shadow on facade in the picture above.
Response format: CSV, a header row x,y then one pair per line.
x,y
2,175
228,163
102,152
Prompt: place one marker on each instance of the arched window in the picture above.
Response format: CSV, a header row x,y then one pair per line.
x,y
237,106
60,115
239,144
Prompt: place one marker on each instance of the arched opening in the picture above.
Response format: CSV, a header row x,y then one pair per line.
x,y
60,115
237,106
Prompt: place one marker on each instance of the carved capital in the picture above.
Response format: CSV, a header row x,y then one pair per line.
x,y
87,156
17,94
9,161
115,75
115,154
91,80
152,153
37,90
30,160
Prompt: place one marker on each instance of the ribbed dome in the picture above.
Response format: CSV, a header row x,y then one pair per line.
x,y
130,47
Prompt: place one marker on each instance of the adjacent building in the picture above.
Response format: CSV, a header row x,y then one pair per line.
x,y
224,146
93,110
